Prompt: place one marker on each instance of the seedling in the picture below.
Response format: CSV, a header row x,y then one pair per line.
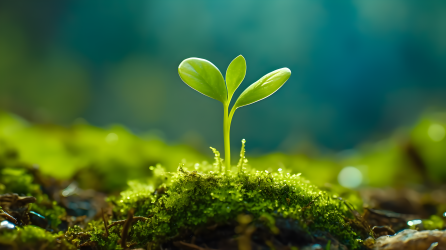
x,y
206,78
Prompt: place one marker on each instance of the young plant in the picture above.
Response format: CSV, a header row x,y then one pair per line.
x,y
206,78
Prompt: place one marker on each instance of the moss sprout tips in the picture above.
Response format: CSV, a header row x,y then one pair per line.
x,y
206,78
243,160
218,161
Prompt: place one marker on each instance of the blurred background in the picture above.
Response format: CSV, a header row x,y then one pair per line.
x,y
360,69
89,90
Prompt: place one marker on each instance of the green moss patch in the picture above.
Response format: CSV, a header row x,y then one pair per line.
x,y
31,237
187,200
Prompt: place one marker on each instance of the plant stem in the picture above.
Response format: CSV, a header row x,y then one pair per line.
x,y
226,129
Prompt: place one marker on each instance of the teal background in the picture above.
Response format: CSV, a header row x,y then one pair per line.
x,y
360,69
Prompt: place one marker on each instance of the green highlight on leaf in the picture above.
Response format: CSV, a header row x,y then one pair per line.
x,y
235,74
204,77
263,88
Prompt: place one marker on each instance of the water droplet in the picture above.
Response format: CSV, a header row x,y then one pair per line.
x,y
280,169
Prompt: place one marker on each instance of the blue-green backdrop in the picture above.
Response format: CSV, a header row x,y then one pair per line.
x,y
360,69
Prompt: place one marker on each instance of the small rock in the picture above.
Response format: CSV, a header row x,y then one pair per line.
x,y
412,240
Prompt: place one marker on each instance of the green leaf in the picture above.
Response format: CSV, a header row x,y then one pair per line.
x,y
235,74
264,87
204,77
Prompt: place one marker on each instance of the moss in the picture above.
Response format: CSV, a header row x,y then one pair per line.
x,y
51,211
187,200
17,178
31,237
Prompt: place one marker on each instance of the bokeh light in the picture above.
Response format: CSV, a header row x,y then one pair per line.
x,y
350,177
414,222
436,132
112,138
6,224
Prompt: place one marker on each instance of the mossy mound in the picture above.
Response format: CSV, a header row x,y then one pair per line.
x,y
186,201
85,153
172,206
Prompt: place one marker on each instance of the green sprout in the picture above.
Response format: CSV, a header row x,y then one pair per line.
x,y
206,78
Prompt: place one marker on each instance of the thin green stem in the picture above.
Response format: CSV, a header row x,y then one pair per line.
x,y
226,129
231,114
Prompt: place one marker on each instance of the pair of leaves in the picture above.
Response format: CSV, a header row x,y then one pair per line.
x,y
204,77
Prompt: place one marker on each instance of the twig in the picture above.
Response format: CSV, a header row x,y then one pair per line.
x,y
105,223
114,223
125,228
122,222
309,204
8,216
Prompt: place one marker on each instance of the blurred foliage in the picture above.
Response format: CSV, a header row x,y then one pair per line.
x,y
115,155
362,68
32,237
89,153
434,222
409,157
